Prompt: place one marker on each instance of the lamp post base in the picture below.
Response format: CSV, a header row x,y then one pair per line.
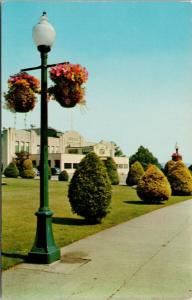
x,y
44,250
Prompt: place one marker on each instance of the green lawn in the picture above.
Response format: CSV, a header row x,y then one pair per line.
x,y
21,201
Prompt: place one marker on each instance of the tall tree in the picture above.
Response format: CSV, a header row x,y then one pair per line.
x,y
145,157
118,151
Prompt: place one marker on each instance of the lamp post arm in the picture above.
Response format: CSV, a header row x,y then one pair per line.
x,y
39,67
30,69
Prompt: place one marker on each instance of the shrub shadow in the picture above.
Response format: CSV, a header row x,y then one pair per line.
x,y
142,202
134,202
68,221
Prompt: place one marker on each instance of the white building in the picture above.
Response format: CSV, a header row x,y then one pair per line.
x,y
65,150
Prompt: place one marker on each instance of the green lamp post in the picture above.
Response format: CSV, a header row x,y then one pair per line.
x,y
44,249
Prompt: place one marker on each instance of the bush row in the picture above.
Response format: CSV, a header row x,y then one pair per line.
x,y
26,171
154,185
90,189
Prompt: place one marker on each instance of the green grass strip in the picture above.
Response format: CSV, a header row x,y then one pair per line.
x,y
21,201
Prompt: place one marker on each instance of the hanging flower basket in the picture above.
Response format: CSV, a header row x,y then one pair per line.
x,y
68,89
21,93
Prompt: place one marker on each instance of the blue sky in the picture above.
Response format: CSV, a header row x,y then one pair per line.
x,y
139,59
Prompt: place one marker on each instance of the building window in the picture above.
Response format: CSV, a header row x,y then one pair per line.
x,y
53,149
67,165
57,149
27,147
73,151
120,166
126,166
101,151
16,147
22,146
75,165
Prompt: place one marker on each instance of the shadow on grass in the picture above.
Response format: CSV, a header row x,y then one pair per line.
x,y
134,202
142,202
69,221
15,255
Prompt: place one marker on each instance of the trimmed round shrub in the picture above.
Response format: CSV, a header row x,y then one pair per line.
x,y
168,166
11,171
63,176
135,173
153,186
27,164
28,174
90,189
112,170
180,179
27,169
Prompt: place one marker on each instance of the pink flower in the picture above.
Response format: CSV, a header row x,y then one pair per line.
x,y
73,72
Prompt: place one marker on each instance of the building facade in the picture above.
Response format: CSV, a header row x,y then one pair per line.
x,y
65,150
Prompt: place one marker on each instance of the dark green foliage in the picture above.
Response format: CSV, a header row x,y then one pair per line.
x,y
112,170
153,186
63,176
27,169
90,189
118,151
180,179
11,170
145,157
135,173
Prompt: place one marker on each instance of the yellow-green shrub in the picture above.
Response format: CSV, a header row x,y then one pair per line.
x,y
168,166
153,186
180,179
27,169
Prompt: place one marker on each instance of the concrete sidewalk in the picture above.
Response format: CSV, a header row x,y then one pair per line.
x,y
147,258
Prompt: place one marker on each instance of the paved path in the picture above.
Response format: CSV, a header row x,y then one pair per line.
x,y
147,258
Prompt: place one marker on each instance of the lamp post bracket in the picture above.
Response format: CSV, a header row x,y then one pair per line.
x,y
39,67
